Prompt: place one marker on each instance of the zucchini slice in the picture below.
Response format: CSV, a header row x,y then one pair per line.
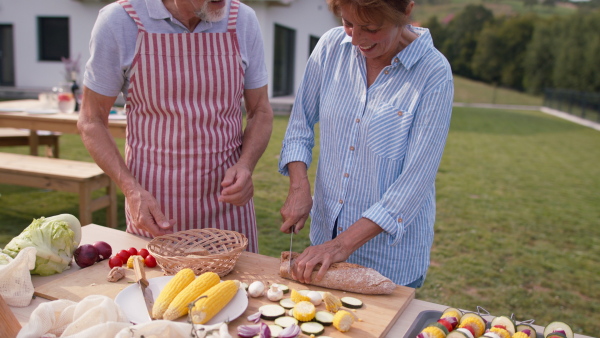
x,y
312,328
287,303
275,330
284,288
271,311
460,333
558,327
324,317
286,321
532,332
351,302
505,323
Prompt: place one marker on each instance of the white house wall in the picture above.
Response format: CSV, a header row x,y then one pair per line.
x,y
306,17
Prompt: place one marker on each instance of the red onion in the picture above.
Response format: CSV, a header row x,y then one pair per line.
x,y
527,332
452,320
104,250
249,331
265,332
291,331
255,318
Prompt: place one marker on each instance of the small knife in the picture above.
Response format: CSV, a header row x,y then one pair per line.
x,y
140,279
291,238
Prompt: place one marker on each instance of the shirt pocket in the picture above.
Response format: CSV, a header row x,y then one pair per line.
x,y
388,131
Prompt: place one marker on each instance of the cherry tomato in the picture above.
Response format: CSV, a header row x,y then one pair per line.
x,y
124,254
150,261
132,251
115,261
143,252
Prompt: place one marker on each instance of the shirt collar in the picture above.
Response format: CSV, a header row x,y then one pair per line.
x,y
413,52
158,11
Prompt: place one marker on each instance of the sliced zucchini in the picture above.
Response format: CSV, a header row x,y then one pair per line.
x,y
439,326
460,333
286,321
287,303
467,315
304,292
523,327
275,329
491,334
351,302
313,328
324,317
505,323
271,311
558,327
556,334
452,312
284,288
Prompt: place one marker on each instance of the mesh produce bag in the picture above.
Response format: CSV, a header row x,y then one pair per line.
x,y
15,280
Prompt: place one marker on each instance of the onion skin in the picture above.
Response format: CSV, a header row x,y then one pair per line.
x,y
85,255
104,250
291,331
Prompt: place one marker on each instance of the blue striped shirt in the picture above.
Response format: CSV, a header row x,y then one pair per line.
x,y
380,147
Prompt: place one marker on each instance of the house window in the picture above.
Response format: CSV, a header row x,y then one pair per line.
x,y
53,38
312,43
283,61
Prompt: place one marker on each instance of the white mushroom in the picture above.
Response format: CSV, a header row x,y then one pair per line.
x,y
256,289
315,297
274,294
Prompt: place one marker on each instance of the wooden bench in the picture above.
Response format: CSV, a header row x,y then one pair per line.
x,y
63,175
10,137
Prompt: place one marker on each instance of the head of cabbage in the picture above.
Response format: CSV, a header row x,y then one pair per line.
x,y
55,239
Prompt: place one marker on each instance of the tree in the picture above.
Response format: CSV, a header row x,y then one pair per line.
x,y
540,56
437,31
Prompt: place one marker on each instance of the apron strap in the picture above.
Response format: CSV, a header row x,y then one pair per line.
x,y
132,13
233,13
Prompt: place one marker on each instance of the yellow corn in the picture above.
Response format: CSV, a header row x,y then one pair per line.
x,y
304,311
435,332
130,261
343,320
501,332
297,297
179,305
332,303
181,279
477,325
520,335
214,301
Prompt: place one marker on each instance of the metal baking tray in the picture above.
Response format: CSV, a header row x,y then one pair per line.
x,y
428,316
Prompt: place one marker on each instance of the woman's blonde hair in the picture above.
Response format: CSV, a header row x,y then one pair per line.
x,y
374,10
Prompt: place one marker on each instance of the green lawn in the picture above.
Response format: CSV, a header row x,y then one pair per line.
x,y
517,222
470,91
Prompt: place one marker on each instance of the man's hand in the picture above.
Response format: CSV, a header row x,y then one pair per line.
x,y
325,254
146,214
237,185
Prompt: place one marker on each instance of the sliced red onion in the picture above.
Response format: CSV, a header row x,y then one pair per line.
x,y
248,331
291,331
452,320
255,318
265,332
527,332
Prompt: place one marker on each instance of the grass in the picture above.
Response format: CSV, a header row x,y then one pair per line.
x,y
517,219
471,91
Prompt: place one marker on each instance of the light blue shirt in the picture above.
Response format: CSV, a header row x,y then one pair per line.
x,y
380,147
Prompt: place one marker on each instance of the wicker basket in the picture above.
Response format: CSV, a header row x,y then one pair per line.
x,y
201,250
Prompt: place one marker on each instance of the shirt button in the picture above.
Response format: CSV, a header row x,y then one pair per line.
x,y
386,72
396,60
341,202
352,148
346,175
400,113
400,220
357,120
340,229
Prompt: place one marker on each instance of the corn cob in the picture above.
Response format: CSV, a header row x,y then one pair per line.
x,y
342,320
213,301
435,332
501,332
304,311
181,279
478,326
520,335
130,261
332,303
297,297
179,305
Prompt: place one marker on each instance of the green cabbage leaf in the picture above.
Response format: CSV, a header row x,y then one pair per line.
x,y
55,239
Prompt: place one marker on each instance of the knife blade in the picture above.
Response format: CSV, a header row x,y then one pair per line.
x,y
291,238
140,279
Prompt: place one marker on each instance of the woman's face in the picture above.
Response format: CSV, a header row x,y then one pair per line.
x,y
375,40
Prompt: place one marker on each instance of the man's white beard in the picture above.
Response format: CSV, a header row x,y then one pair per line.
x,y
211,16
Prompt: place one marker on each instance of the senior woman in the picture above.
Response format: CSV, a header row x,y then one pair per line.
x,y
382,95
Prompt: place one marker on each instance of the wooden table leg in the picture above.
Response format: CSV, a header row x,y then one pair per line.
x,y
33,142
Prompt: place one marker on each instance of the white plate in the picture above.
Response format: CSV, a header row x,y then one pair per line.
x,y
117,117
131,301
42,111
11,110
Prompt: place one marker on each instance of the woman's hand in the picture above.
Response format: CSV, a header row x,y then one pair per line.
x,y
296,209
146,214
325,254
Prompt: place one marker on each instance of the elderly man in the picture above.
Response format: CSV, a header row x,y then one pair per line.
x,y
184,67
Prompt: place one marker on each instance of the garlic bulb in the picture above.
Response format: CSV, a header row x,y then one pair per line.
x,y
315,297
256,289
274,294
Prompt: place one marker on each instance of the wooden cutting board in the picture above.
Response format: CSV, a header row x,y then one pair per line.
x,y
377,315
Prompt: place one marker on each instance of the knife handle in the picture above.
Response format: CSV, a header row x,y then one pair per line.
x,y
140,273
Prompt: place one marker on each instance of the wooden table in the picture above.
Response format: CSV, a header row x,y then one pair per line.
x,y
119,239
59,122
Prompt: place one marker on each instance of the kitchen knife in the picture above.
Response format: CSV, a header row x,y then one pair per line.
x,y
291,238
140,279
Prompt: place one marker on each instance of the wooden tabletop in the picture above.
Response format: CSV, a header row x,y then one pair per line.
x,y
57,122
119,239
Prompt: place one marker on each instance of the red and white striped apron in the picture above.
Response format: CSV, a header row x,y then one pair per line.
x,y
184,125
